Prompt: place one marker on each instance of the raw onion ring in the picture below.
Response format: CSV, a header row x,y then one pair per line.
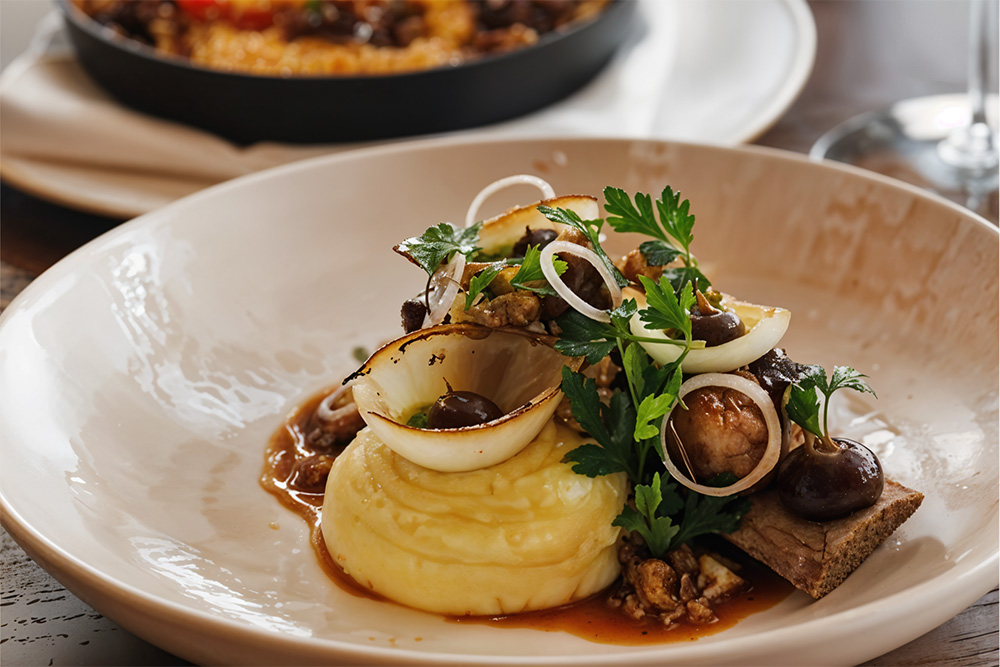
x,y
496,186
452,275
772,454
589,256
325,411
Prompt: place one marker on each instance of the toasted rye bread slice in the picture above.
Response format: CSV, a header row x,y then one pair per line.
x,y
818,556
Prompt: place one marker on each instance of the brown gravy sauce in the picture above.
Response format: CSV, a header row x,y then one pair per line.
x,y
592,619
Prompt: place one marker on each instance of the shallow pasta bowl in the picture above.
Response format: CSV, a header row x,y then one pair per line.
x,y
143,375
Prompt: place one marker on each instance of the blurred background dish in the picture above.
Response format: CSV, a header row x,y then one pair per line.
x,y
344,95
291,38
714,71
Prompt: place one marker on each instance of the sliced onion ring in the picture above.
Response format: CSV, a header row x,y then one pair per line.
x,y
754,392
440,300
588,255
496,186
325,411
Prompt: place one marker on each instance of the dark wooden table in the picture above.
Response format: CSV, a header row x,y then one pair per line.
x,y
870,53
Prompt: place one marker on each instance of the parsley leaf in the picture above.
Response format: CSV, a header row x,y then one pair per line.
x,y
531,271
418,420
675,216
481,281
593,351
845,377
635,363
673,231
621,317
650,518
710,514
626,218
652,409
667,311
680,276
592,460
439,243
610,425
803,405
584,337
589,228
658,505
658,253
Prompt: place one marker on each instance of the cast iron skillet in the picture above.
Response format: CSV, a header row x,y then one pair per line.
x,y
247,108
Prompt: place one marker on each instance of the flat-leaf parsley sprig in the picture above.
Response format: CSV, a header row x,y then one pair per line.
x,y
439,244
672,233
803,405
529,275
666,520
591,229
627,427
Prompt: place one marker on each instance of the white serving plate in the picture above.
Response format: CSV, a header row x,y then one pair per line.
x,y
142,376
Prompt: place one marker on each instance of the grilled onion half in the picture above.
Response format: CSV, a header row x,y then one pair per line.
x,y
517,370
765,325
499,234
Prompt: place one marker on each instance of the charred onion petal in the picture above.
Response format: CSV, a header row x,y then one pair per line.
x,y
774,438
517,370
764,328
496,186
588,255
502,232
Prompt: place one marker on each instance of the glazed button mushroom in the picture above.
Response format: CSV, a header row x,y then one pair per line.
x,y
829,479
457,409
826,478
712,325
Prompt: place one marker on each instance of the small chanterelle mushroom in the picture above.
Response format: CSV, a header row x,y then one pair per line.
x,y
514,373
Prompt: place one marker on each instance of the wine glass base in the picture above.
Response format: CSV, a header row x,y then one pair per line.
x,y
903,142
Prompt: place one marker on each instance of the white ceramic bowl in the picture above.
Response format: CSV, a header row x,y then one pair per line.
x,y
142,376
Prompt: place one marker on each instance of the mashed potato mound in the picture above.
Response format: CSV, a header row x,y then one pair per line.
x,y
525,534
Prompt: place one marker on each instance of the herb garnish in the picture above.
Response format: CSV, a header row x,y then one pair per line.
x,y
439,244
627,427
672,233
803,402
418,420
531,272
651,516
529,275
666,520
479,282
589,228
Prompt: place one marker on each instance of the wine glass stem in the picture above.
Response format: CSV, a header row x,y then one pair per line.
x,y
974,146
978,58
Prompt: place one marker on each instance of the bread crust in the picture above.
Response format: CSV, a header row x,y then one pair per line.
x,y
818,556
